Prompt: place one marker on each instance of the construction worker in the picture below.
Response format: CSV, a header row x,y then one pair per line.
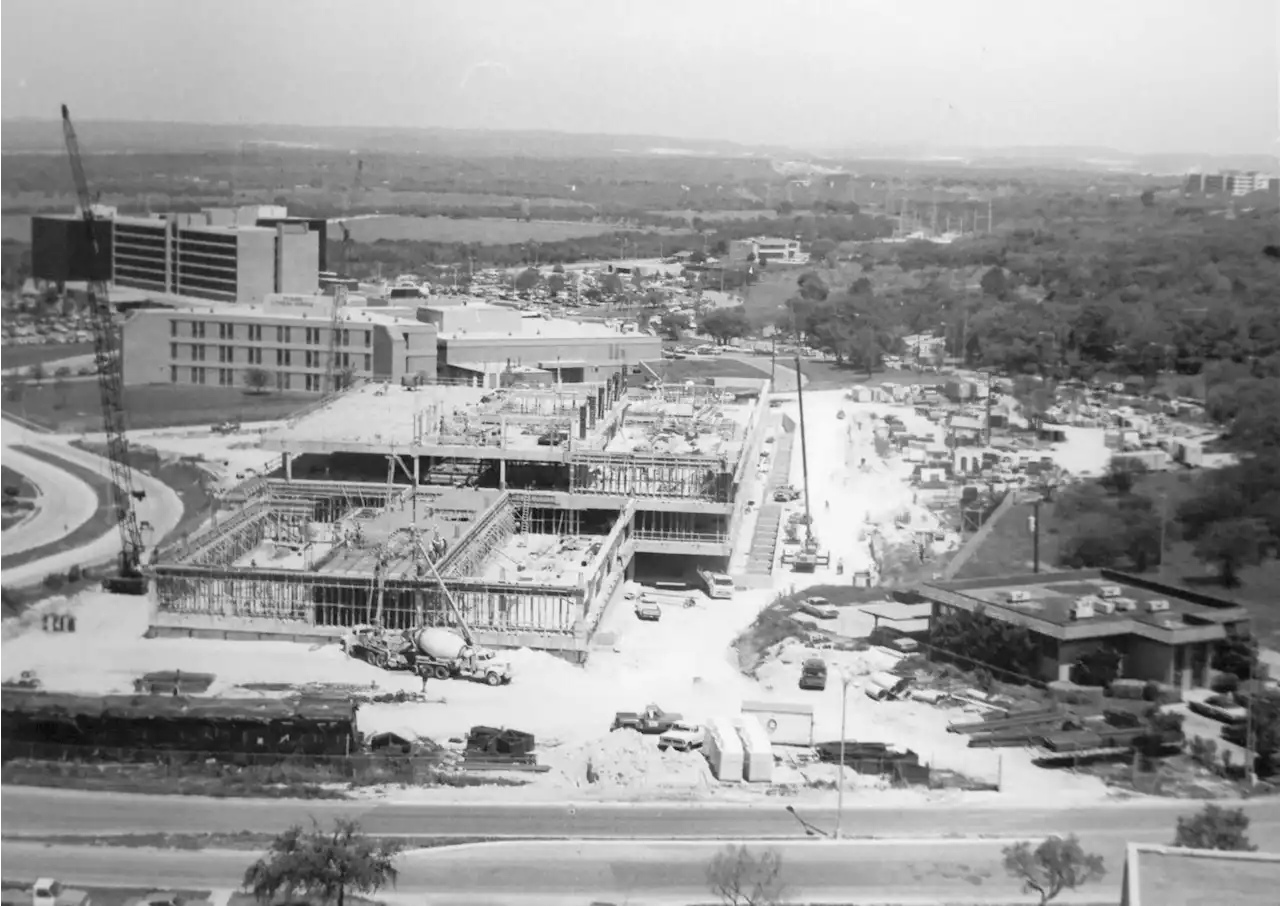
x,y
840,567
423,674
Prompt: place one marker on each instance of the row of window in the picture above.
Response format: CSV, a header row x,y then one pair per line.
x,y
227,331
226,377
311,358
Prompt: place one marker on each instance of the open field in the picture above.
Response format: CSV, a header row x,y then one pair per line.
x,y
152,406
487,230
100,522
714,216
26,356
768,296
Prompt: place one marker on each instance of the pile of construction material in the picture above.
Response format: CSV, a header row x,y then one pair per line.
x,y
493,749
878,759
628,761
1065,737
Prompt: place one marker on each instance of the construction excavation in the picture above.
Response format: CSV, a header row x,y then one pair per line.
x,y
518,515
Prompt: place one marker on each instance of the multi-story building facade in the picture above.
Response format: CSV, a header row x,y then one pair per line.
x,y
288,337
1232,182
221,254
767,250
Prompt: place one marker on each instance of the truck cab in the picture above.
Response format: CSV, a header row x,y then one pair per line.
x,y
813,674
717,585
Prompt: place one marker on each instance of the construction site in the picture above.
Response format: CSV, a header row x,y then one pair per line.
x,y
528,505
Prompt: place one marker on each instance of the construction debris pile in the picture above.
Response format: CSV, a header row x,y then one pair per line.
x,y
626,760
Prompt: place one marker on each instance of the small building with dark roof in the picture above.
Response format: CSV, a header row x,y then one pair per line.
x,y
1164,633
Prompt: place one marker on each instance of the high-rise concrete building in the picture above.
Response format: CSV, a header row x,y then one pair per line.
x,y
221,254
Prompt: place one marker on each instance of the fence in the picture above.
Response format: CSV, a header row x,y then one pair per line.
x,y
268,768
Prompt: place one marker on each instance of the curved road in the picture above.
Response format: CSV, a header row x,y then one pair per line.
x,y
162,507
568,873
64,502
41,811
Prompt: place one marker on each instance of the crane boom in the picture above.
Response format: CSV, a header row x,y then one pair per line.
x,y
107,357
463,628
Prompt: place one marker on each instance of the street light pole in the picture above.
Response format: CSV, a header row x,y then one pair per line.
x,y
844,695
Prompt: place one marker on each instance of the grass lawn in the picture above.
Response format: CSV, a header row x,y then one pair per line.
x,y
101,521
17,481
23,490
186,479
26,356
488,230
152,406
1008,550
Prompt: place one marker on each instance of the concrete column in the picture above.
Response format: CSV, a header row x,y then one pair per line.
x,y
286,461
600,401
417,471
582,423
502,474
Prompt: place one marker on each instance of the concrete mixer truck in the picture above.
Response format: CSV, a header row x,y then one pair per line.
x,y
441,653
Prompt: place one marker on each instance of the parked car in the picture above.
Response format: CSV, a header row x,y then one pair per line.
x,y
648,610
820,608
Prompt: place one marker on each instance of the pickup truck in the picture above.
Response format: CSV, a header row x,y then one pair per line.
x,y
651,721
682,737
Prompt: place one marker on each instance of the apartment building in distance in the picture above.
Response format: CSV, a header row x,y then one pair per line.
x,y
236,255
287,336
1232,182
767,250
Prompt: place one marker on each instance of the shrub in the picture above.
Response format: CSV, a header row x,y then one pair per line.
x,y
1225,683
54,581
75,574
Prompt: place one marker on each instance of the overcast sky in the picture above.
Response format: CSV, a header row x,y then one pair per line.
x,y
1137,75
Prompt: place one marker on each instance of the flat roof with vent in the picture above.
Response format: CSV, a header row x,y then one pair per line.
x,y
1050,599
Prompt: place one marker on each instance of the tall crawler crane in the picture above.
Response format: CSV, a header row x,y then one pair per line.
x,y
129,579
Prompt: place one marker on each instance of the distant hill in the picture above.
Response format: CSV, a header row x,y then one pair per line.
x,y
1064,157
125,137
122,137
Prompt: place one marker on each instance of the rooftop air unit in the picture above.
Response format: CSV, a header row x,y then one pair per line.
x,y
1109,591
1019,596
1106,607
1125,604
1171,622
1082,608
1157,605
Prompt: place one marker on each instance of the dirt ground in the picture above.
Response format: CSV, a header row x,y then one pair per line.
x,y
684,662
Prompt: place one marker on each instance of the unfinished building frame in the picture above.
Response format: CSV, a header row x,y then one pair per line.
x,y
358,568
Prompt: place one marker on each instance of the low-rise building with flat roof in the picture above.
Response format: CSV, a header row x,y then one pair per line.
x,y
478,342
195,342
1174,876
1163,633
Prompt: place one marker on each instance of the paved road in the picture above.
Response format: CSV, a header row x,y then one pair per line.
x,y
162,507
568,873
29,810
65,502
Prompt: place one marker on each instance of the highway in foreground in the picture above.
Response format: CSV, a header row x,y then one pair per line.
x,y
41,811
567,873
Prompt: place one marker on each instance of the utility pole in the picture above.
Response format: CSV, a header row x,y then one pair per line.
x,y
1164,525
1035,536
990,222
989,389
844,697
